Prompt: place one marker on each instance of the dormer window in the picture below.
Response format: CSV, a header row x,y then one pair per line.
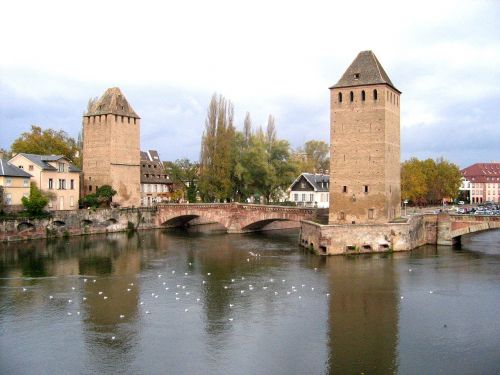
x,y
356,75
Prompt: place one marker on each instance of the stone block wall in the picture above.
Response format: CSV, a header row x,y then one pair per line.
x,y
367,238
70,223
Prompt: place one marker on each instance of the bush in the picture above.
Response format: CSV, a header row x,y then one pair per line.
x,y
36,202
101,198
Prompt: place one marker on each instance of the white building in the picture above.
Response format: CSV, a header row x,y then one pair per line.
x,y
311,190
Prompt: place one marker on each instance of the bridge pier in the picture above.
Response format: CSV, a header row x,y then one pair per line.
x,y
444,229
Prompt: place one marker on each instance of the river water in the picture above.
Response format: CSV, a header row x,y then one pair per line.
x,y
200,302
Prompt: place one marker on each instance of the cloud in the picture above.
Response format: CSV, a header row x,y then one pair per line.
x,y
266,57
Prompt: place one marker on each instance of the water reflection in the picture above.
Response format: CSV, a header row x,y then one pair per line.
x,y
363,315
200,303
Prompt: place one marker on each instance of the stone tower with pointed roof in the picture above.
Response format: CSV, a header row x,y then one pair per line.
x,y
365,145
111,148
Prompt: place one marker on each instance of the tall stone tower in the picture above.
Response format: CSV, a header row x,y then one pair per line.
x,y
365,177
111,148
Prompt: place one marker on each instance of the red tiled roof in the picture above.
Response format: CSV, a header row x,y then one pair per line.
x,y
482,172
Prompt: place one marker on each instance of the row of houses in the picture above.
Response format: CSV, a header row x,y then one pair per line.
x,y
60,180
56,175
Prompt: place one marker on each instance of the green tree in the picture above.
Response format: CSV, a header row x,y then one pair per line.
x,y
217,151
36,202
429,181
448,179
236,165
184,174
47,142
313,157
413,181
268,160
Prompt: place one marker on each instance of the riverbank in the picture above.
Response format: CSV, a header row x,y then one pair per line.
x,y
95,221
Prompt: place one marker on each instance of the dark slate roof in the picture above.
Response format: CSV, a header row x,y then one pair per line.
x,y
154,155
41,161
152,171
319,182
364,70
112,102
10,170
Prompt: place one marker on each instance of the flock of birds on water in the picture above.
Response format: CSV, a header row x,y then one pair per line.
x,y
171,286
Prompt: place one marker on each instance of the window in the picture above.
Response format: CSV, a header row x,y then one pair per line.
x,y
26,182
296,197
344,189
311,197
340,97
30,167
20,167
366,188
303,197
341,216
51,184
62,184
90,187
72,184
356,75
351,96
370,213
60,167
375,95
302,185
363,95
8,199
8,181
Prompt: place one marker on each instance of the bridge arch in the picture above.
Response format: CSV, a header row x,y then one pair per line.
x,y
475,228
260,224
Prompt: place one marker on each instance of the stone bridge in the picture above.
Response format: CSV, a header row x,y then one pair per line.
x,y
236,217
452,227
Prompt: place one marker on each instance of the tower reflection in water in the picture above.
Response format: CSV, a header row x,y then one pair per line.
x,y
363,315
111,306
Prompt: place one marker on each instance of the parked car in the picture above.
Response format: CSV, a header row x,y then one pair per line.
x,y
461,203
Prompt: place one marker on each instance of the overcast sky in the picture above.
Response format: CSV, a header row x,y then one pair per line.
x,y
267,57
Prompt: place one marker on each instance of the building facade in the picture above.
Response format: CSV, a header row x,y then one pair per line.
x,y
365,145
54,174
311,190
156,185
111,148
15,183
483,182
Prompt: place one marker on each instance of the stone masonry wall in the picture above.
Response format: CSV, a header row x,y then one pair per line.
x,y
367,238
69,223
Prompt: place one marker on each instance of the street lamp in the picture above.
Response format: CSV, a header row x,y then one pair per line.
x,y
405,203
